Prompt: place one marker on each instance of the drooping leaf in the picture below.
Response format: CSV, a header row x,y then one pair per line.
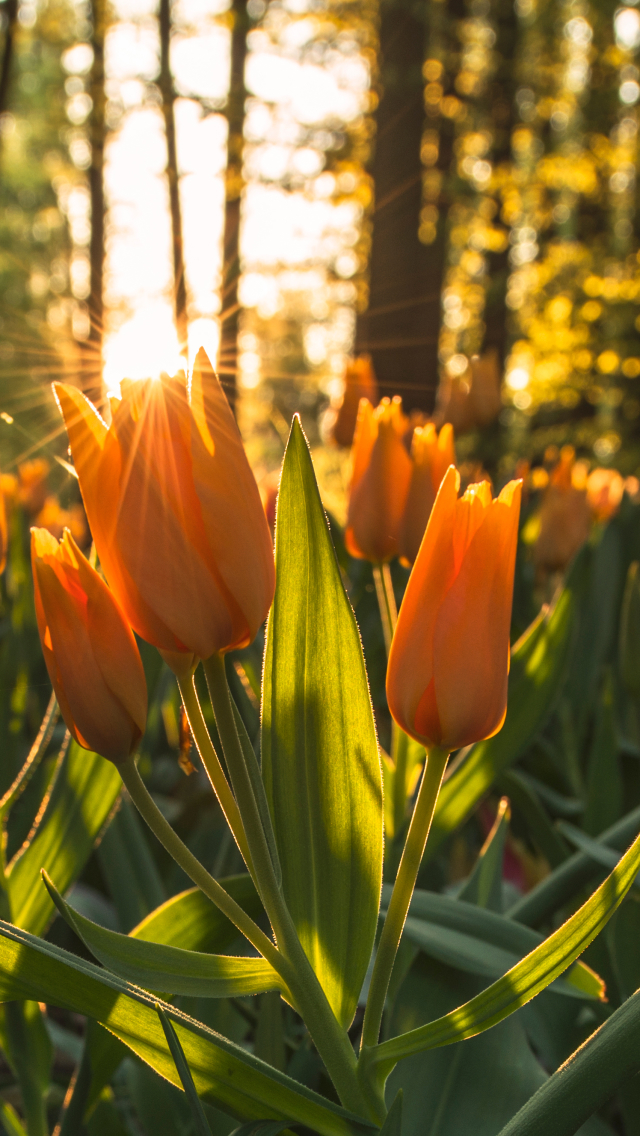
x,y
538,666
171,970
484,885
533,974
479,941
83,795
587,1080
319,748
199,1118
223,1073
567,880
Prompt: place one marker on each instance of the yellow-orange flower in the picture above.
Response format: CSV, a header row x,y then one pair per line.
x,y
431,454
91,654
3,533
605,488
359,382
380,482
175,512
449,659
565,518
471,401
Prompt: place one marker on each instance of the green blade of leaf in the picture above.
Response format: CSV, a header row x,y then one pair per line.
x,y
129,868
480,941
224,1073
566,880
172,970
526,801
599,853
191,921
586,1080
393,1121
10,1120
199,1118
259,1128
538,666
524,981
319,749
83,795
484,885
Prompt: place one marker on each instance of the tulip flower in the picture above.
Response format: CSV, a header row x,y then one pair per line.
x,y
380,482
605,488
175,512
449,660
91,654
431,454
359,382
565,517
3,533
471,401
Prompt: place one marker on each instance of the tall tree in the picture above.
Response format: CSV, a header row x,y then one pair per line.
x,y
168,101
10,10
92,359
400,327
230,320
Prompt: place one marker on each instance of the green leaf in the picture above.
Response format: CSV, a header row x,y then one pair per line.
x,y
526,800
393,1121
566,881
191,921
223,1072
129,868
481,941
30,1053
586,1081
319,748
172,970
83,795
484,885
10,1120
199,1118
524,981
259,1128
604,777
538,666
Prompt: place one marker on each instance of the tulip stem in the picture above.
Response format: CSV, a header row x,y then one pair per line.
x,y
331,1040
212,765
170,840
434,768
386,602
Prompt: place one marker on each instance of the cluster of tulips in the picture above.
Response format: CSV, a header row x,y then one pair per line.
x,y
183,542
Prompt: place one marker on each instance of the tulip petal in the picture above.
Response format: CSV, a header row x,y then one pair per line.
x,y
158,502
378,500
113,642
97,719
230,502
365,435
471,636
411,657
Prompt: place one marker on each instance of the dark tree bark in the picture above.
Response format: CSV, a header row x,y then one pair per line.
x,y
168,101
230,319
400,329
92,359
11,16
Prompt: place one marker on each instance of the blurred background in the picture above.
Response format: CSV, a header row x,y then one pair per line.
x,y
447,186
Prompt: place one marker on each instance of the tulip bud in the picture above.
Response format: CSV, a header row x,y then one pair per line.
x,y
431,454
565,518
91,654
359,382
630,632
175,512
3,533
380,482
449,659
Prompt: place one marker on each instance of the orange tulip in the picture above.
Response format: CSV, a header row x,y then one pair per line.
x,y
471,401
3,533
380,482
565,518
449,659
359,382
91,654
175,512
432,455
605,488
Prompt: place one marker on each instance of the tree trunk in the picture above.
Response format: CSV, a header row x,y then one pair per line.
x,y
168,101
400,328
92,360
11,16
230,318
